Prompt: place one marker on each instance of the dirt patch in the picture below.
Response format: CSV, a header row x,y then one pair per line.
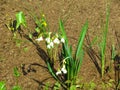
x,y
75,13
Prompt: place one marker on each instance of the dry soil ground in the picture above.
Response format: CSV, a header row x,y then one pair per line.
x,y
75,12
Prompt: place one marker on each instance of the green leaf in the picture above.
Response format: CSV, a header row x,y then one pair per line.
x,y
73,87
16,88
20,19
37,29
2,85
16,72
78,63
51,70
46,86
104,42
63,31
92,85
57,86
66,49
81,39
30,35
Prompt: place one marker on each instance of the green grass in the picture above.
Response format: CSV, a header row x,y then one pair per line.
x,y
104,43
2,85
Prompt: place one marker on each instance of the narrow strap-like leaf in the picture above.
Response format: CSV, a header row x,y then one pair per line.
x,y
80,41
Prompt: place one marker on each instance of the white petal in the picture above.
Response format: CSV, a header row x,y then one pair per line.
x,y
47,40
51,44
62,40
56,40
64,69
39,39
58,72
48,46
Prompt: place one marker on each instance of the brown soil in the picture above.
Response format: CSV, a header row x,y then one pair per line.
x,y
75,12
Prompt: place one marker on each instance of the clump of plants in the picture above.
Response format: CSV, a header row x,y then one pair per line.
x,y
59,51
102,45
105,66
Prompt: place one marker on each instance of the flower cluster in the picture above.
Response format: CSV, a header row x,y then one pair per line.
x,y
63,69
50,39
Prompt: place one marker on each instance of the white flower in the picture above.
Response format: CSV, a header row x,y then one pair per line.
x,y
39,39
58,72
62,40
50,45
47,40
64,69
56,40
